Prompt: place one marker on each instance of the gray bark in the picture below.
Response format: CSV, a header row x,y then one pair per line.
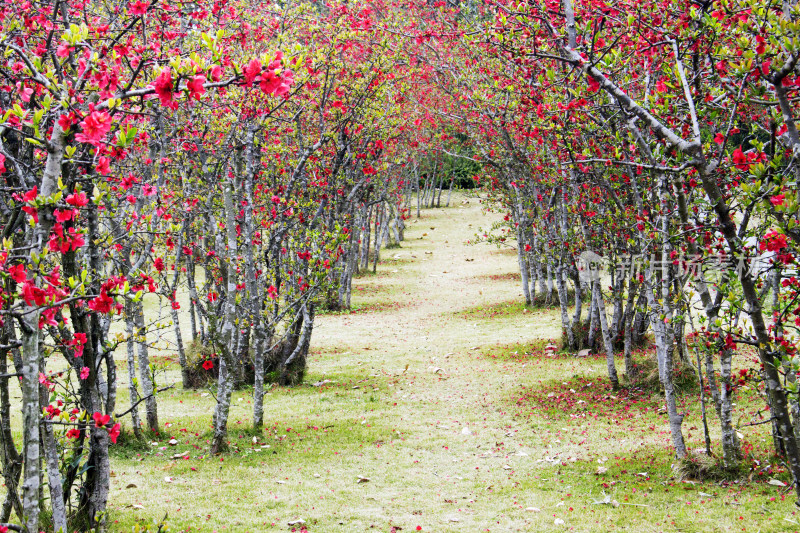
x,y
146,381
57,506
226,335
31,417
133,392
566,324
600,308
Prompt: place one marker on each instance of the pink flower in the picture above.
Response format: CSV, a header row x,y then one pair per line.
x,y
94,128
100,419
159,264
251,71
25,94
216,73
77,199
773,242
64,50
31,195
163,88
65,121
77,342
103,167
195,87
138,8
18,273
64,216
777,199
84,372
101,304
114,433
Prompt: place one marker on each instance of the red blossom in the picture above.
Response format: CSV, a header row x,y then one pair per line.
x,y
18,273
113,434
163,88
77,199
101,304
251,71
94,127
100,419
139,7
195,86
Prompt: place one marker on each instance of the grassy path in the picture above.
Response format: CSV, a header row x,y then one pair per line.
x,y
419,424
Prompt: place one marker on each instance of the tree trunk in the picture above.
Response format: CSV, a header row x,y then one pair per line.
x,y
57,506
148,390
627,326
566,324
593,318
600,308
226,335
132,390
523,269
30,417
176,323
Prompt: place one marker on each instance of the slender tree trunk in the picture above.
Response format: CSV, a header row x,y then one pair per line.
x,y
566,324
609,346
148,390
366,239
30,417
224,382
523,269
176,324
132,389
57,506
190,273
662,340
379,220
12,461
593,319
449,192
627,325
